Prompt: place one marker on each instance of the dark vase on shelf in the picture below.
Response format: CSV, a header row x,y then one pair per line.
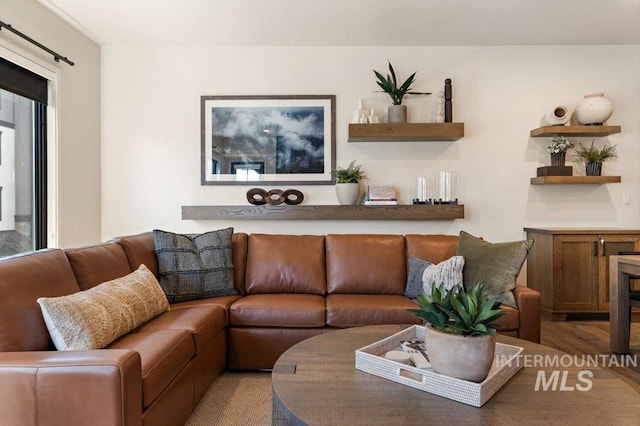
x,y
558,158
594,169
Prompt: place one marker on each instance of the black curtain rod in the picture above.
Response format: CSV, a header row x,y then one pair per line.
x,y
56,56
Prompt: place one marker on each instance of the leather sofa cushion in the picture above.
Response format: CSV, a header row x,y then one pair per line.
x,y
164,353
285,264
366,264
223,302
93,265
23,279
353,310
140,250
434,248
278,310
204,323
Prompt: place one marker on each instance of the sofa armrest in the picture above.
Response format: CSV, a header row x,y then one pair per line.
x,y
529,304
99,387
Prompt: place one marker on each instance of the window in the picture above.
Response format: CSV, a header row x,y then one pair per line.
x,y
23,170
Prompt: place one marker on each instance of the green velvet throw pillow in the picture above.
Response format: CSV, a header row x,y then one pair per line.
x,y
496,265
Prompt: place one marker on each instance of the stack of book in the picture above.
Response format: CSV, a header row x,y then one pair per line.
x,y
381,196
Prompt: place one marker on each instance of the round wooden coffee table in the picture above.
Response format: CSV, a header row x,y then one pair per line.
x,y
315,383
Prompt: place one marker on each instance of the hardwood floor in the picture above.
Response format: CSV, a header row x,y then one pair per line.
x,y
591,338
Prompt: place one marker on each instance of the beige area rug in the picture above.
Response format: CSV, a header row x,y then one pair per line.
x,y
235,398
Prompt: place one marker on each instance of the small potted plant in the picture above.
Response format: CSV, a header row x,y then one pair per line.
x,y
348,183
389,85
459,331
594,157
558,150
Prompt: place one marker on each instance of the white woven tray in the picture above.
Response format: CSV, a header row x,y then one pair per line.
x,y
370,359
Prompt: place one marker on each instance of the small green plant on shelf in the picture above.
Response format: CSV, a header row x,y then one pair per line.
x,y
352,174
592,154
559,144
466,313
389,85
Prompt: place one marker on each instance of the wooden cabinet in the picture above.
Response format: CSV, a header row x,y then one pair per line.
x,y
570,267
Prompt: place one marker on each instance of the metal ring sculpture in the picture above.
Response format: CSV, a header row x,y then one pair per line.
x,y
274,197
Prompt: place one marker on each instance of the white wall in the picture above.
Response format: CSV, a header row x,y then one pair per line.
x,y
78,111
151,132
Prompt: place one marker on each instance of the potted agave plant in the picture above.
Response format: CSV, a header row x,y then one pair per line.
x,y
348,183
459,331
389,85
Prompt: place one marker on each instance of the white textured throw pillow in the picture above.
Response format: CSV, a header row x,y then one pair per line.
x,y
446,274
93,318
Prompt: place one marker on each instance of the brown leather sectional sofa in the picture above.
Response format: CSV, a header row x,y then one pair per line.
x,y
291,287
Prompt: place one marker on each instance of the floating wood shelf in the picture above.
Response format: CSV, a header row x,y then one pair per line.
x,y
574,180
575,131
385,132
337,212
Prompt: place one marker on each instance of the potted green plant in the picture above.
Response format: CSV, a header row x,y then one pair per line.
x,y
594,157
348,183
389,85
460,331
558,150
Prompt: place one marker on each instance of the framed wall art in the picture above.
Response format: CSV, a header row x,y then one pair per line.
x,y
268,139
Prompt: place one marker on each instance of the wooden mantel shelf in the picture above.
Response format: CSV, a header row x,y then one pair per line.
x,y
575,180
575,131
389,132
329,212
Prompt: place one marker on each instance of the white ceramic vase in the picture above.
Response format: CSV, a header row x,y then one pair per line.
x,y
348,193
463,357
593,109
557,116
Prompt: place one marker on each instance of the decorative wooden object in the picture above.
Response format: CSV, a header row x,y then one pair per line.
x,y
570,267
448,106
274,197
575,131
385,132
555,171
574,180
332,212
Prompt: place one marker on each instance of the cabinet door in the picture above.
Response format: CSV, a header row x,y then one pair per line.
x,y
575,273
611,245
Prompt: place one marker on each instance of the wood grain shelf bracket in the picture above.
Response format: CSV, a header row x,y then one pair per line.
x,y
574,180
403,132
329,212
575,131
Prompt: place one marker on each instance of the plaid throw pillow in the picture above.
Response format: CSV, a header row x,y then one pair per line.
x,y
195,267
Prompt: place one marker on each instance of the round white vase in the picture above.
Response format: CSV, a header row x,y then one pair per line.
x,y
593,109
348,193
463,357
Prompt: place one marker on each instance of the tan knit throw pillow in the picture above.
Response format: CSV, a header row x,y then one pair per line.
x,y
93,318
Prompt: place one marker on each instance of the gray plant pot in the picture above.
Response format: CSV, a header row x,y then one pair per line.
x,y
463,357
397,114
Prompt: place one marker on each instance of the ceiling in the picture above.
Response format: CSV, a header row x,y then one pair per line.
x,y
353,22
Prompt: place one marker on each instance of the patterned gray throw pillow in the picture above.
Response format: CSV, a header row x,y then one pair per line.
x,y
424,274
195,267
